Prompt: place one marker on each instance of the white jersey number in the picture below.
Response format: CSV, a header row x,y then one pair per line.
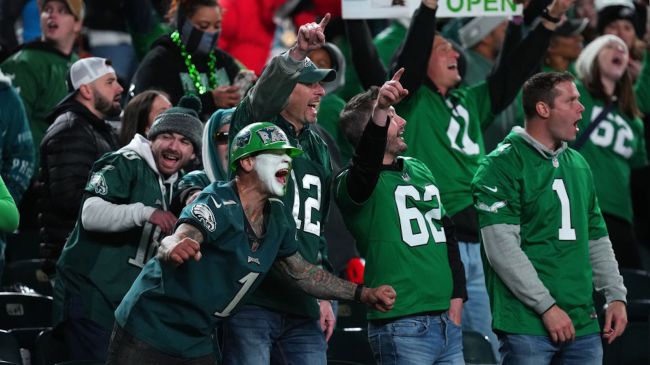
x,y
311,204
149,242
246,282
459,123
420,235
566,233
612,131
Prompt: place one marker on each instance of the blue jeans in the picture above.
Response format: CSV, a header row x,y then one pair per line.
x,y
422,339
541,350
476,311
258,336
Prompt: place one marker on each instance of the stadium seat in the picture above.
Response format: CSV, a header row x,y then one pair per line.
x,y
349,346
18,310
477,349
351,315
9,348
27,273
49,349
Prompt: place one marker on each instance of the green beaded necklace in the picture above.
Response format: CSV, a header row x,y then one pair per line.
x,y
194,74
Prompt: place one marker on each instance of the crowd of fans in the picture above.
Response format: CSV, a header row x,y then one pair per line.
x,y
114,116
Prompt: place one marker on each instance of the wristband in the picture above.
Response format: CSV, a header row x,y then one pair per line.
x,y
357,293
549,17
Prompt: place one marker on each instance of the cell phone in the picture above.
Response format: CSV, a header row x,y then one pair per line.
x,y
244,80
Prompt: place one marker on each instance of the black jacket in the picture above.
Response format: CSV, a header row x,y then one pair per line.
x,y
163,68
70,147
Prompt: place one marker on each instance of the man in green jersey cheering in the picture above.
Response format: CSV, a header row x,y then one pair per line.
x,y
411,239
544,236
226,241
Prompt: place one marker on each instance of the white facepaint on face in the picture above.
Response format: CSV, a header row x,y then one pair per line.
x,y
273,170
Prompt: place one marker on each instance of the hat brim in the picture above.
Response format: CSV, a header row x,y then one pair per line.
x,y
66,98
317,75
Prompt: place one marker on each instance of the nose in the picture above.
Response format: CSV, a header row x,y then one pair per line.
x,y
320,91
581,107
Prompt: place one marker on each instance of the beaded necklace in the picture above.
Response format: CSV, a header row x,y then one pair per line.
x,y
193,72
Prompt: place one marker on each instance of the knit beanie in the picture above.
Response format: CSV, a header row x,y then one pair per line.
x,y
613,13
182,119
589,55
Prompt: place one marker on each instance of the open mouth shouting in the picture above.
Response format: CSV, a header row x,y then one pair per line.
x,y
273,170
282,176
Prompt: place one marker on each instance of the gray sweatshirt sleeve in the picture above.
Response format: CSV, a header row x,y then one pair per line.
x,y
502,244
606,276
272,90
98,215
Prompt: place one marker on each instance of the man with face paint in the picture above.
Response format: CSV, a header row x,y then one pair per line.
x,y
224,244
188,61
77,137
281,324
125,212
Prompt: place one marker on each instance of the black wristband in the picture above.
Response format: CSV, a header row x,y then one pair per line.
x,y
549,17
357,293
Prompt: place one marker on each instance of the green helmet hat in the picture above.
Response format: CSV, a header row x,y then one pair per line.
x,y
259,137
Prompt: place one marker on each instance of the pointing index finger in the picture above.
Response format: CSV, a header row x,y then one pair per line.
x,y
398,74
323,23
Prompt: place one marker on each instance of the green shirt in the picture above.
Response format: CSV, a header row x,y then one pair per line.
x,y
175,309
553,201
100,267
399,232
613,149
445,134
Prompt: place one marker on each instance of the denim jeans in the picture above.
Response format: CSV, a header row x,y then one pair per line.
x,y
125,349
423,339
477,316
85,339
258,336
541,350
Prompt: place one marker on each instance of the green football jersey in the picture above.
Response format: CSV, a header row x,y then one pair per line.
x,y
307,199
100,267
613,149
399,232
553,201
445,134
175,309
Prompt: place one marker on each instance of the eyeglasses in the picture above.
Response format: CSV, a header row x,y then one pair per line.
x,y
221,137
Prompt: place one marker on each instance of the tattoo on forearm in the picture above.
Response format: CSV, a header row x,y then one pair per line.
x,y
188,230
315,281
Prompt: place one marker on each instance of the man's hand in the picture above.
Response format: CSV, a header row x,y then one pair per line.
x,y
391,91
381,298
311,36
559,325
327,318
615,321
163,219
226,96
185,249
456,310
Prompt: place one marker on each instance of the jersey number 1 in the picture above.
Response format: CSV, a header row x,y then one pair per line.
x,y
566,232
246,282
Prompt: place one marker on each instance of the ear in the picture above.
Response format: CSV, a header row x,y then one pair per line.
x,y
542,109
86,91
247,163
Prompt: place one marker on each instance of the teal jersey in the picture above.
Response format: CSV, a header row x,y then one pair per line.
x,y
613,149
399,232
306,199
100,267
175,309
445,134
553,201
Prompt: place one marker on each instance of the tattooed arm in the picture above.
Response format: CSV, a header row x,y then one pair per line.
x,y
321,284
183,244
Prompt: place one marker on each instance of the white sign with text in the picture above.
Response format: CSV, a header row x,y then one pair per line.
x,y
380,9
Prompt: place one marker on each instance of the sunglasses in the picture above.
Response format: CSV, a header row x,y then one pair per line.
x,y
221,137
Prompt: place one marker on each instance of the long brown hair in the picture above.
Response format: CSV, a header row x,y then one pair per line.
x,y
136,115
624,91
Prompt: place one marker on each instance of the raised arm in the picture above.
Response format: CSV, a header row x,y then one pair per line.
x,y
371,71
321,284
524,60
413,55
